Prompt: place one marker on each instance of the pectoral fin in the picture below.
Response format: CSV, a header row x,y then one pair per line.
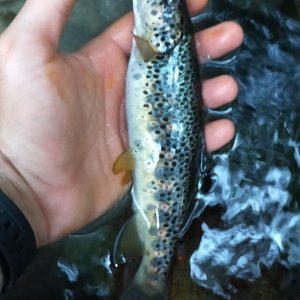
x,y
124,163
126,178
145,48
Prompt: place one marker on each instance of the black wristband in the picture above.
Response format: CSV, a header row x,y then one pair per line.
x,y
17,241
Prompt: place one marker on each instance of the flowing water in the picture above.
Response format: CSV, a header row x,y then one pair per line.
x,y
246,242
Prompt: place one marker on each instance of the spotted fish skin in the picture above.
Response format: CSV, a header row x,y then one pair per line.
x,y
165,131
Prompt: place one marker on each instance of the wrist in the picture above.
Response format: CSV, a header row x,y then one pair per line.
x,y
14,185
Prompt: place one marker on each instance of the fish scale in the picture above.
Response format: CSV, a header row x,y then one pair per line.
x,y
165,131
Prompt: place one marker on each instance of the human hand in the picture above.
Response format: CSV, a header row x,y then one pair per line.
x,y
62,115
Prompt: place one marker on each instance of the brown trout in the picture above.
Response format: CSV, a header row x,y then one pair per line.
x,y
163,108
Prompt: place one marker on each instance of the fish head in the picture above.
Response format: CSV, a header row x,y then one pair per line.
x,y
161,22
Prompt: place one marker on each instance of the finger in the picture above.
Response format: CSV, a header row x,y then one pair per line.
x,y
121,31
218,40
42,19
219,91
218,133
195,6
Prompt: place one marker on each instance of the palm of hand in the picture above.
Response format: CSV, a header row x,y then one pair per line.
x,y
70,124
62,116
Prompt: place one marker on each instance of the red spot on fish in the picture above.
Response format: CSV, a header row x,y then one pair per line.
x,y
165,207
162,232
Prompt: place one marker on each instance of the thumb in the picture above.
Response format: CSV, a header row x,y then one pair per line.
x,y
42,20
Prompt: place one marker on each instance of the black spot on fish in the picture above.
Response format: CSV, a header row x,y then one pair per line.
x,y
156,262
156,244
163,218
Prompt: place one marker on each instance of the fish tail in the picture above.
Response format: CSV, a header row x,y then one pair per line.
x,y
147,283
150,282
136,293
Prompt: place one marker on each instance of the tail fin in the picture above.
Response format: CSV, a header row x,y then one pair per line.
x,y
129,247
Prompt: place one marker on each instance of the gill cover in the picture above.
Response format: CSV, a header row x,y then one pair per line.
x,y
159,22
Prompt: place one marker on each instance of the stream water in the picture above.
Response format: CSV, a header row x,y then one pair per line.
x,y
245,244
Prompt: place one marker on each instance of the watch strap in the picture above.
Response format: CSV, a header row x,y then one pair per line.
x,y
17,241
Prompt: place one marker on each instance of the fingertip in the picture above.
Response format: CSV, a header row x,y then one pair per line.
x,y
219,91
196,6
120,33
219,133
219,40
42,20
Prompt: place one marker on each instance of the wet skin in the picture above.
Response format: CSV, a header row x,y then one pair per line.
x,y
62,115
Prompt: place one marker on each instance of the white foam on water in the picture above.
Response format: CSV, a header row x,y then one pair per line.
x,y
257,230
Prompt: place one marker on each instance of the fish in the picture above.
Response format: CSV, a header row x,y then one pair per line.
x,y
165,131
